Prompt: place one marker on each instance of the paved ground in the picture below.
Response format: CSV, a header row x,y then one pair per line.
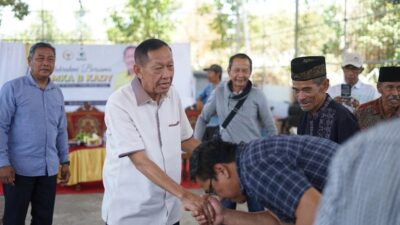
x,y
84,209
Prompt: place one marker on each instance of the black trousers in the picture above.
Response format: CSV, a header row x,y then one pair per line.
x,y
39,191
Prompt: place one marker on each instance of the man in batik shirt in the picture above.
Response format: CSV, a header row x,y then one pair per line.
x,y
388,105
323,117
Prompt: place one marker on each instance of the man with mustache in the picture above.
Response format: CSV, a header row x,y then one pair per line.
x,y
146,130
323,116
388,105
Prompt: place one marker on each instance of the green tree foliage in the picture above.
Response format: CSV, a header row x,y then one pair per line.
x,y
377,34
19,8
371,27
142,19
334,41
45,29
320,29
226,23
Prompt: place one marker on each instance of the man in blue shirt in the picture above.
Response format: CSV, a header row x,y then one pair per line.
x,y
33,140
214,74
284,174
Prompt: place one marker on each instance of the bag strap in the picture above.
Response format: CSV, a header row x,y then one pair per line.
x,y
233,113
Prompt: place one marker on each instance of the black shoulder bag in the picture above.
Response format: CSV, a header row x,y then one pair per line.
x,y
217,135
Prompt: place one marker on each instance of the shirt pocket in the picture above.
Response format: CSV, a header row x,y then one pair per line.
x,y
54,111
174,124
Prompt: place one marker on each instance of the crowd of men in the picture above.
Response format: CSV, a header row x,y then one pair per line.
x,y
284,179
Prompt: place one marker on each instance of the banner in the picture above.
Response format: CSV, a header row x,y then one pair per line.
x,y
90,73
12,61
85,73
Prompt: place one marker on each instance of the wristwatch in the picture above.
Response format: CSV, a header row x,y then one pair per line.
x,y
65,163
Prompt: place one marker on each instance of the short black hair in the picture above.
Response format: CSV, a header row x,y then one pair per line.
x,y
209,153
40,45
143,48
240,56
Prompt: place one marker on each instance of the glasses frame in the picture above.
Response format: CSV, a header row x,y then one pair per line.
x,y
210,190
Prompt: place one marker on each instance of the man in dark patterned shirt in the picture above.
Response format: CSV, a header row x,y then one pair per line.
x,y
388,105
285,174
323,117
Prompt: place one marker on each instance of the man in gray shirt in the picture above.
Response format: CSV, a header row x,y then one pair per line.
x,y
250,118
253,115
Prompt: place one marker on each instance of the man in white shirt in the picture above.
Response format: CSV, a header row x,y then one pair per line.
x,y
352,66
146,130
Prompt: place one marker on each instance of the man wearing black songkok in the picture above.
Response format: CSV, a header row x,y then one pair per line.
x,y
388,105
323,117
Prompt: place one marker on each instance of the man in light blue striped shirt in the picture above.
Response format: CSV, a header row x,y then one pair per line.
x,y
33,140
363,186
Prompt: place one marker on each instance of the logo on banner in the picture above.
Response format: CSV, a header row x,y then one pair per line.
x,y
68,55
82,55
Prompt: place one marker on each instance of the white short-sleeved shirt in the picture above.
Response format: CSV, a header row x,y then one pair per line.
x,y
360,91
135,122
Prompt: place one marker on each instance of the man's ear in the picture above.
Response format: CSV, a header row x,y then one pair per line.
x,y
325,85
379,87
137,70
222,169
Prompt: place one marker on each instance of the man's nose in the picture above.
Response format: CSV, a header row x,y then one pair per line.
x,y
300,96
167,73
396,92
46,61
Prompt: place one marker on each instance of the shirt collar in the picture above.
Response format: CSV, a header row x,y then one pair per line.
x,y
32,82
358,84
324,106
140,94
378,109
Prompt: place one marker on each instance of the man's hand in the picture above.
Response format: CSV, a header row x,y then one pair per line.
x,y
7,175
65,174
218,210
355,103
352,102
198,206
338,99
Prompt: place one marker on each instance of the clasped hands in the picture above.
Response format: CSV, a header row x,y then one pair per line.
x,y
206,209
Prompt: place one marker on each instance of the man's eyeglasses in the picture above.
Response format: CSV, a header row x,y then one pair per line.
x,y
210,190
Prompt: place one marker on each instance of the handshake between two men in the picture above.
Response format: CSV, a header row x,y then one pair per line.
x,y
214,214
285,174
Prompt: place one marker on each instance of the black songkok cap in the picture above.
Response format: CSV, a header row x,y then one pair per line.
x,y
308,68
389,74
